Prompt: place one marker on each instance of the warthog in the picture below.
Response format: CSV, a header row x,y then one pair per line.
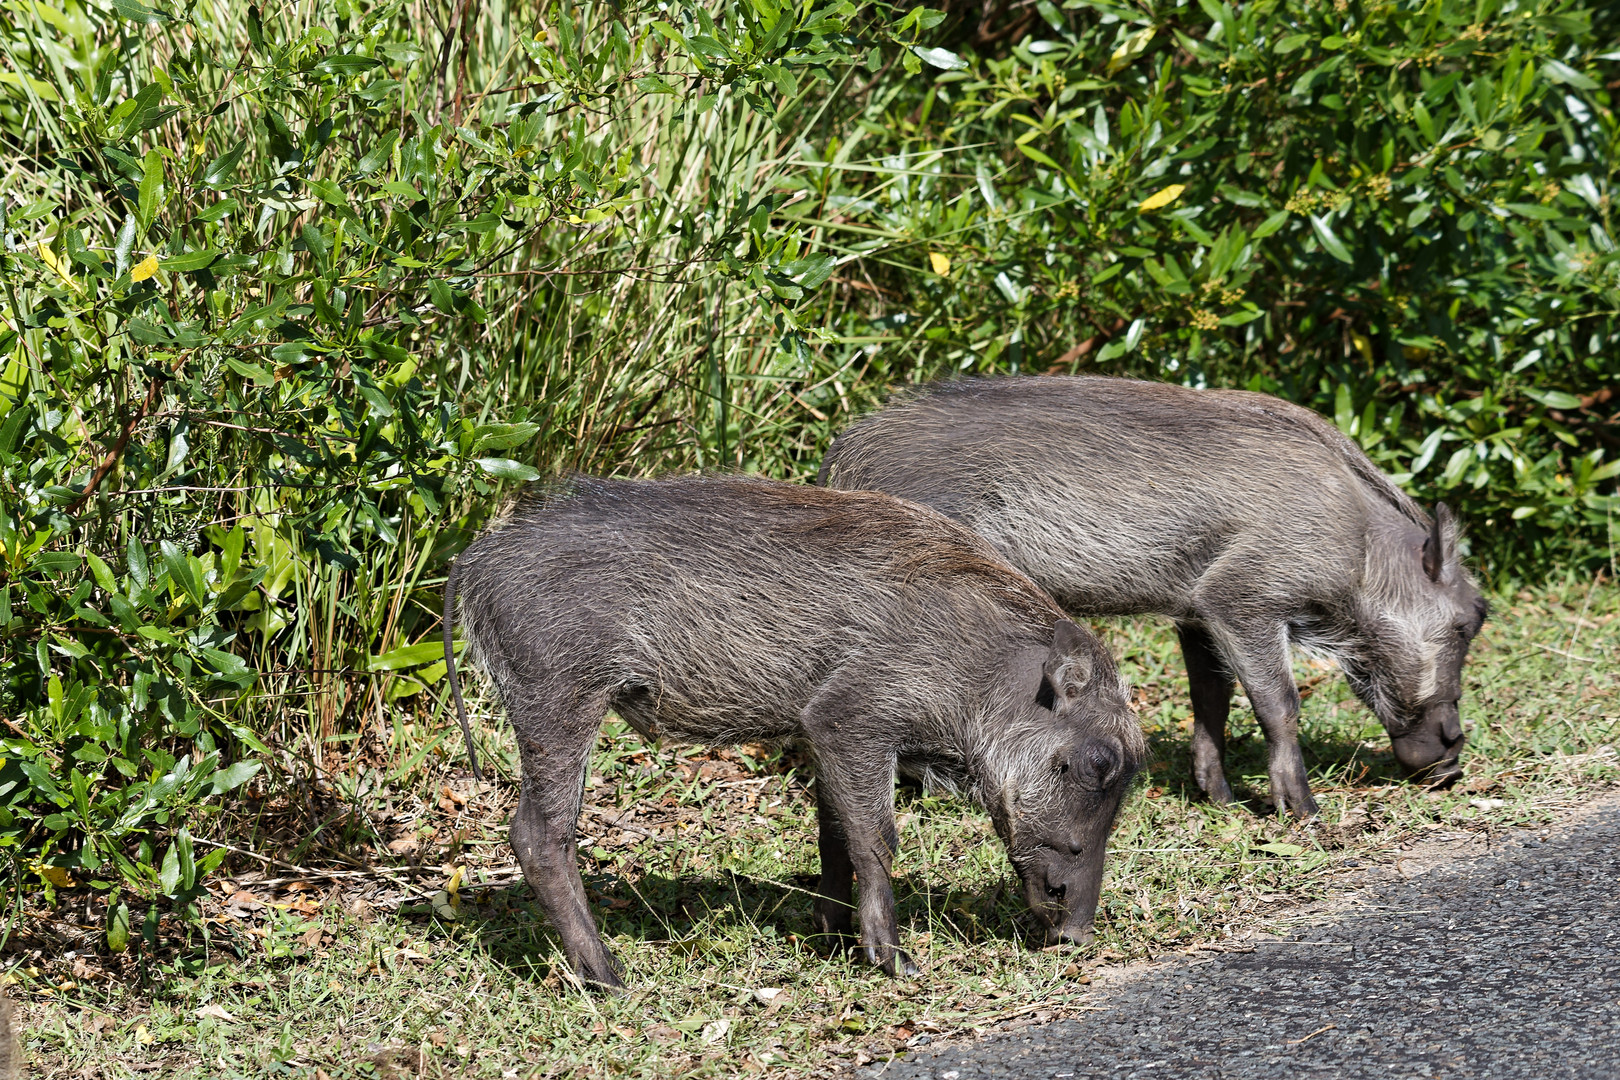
x,y
881,634
1251,522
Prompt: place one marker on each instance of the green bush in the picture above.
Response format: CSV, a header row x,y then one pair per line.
x,y
292,299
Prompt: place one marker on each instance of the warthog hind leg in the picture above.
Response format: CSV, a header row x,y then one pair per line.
x,y
834,912
543,835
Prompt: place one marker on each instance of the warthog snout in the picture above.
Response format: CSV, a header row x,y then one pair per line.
x,y
1064,893
1429,751
1063,870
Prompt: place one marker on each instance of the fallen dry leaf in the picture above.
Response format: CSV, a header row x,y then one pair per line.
x,y
217,1012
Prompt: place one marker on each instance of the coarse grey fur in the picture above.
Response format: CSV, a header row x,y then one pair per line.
x,y
881,634
1250,521
10,1045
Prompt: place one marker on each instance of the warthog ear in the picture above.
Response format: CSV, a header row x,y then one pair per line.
x,y
1067,670
1440,546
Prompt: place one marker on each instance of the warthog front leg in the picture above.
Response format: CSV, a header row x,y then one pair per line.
x,y
1211,685
860,792
1260,660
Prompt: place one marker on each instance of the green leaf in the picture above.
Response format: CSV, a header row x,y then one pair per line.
x,y
1279,848
1242,318
1425,123
124,245
188,864
1040,156
178,564
118,928
219,210
1559,72
1106,273
404,191
507,469
102,572
137,12
1534,210
135,557
228,667
407,656
158,634
374,396
1129,49
191,260
314,243
1290,43
328,192
943,59
442,296
73,243
502,436
169,875
1553,399
346,64
56,562
151,187
249,370
1270,225
378,155
222,168
230,779
1330,243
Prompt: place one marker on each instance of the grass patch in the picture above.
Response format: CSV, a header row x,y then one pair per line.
x,y
430,959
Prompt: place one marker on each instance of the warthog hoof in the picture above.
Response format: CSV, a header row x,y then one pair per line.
x,y
897,963
1066,935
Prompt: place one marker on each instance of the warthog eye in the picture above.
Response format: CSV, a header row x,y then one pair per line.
x,y
1057,892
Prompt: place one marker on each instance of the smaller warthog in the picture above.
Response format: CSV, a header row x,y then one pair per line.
x,y
882,635
1253,523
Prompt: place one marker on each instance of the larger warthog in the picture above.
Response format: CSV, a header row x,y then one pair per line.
x,y
879,633
1251,522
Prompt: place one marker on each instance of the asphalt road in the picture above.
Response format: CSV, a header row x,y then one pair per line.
x,y
1503,965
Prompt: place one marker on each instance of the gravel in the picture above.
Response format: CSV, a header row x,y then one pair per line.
x,y
1504,965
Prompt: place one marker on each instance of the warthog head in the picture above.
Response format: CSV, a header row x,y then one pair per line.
x,y
1420,612
1063,789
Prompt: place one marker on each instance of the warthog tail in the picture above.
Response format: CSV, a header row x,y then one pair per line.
x,y
450,668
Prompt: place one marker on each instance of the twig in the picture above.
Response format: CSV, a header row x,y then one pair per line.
x,y
267,860
1570,655
617,823
1312,1035
117,451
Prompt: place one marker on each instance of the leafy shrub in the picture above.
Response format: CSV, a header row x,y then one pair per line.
x,y
291,300
286,304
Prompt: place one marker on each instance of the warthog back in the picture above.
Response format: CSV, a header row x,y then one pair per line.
x,y
1250,521
881,634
